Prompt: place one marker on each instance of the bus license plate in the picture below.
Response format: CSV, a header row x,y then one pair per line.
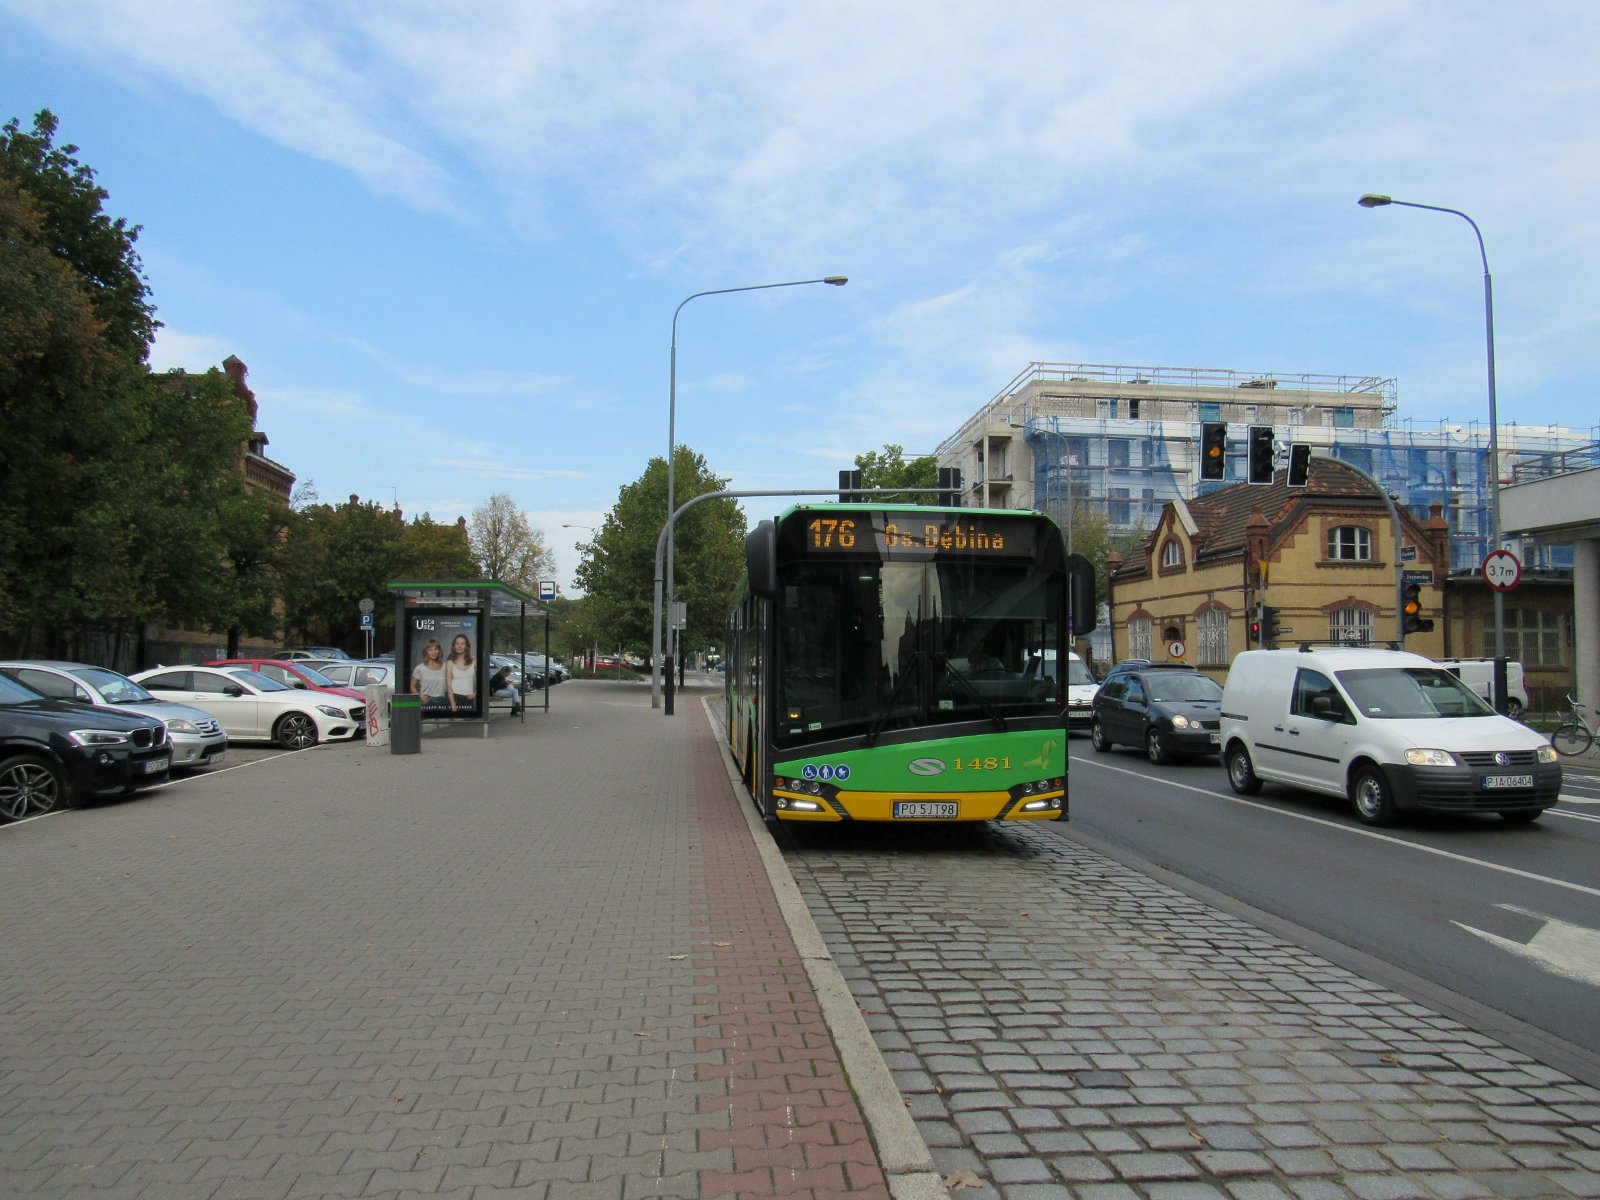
x,y
925,810
1508,781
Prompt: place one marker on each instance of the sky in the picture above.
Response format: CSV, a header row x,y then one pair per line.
x,y
449,240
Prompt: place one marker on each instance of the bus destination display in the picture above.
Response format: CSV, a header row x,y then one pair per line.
x,y
905,535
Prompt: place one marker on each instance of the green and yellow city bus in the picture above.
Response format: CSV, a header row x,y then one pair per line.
x,y
903,663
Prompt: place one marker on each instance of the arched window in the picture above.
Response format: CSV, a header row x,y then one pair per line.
x,y
1172,553
1350,543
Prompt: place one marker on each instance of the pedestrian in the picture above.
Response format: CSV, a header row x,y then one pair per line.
x,y
500,689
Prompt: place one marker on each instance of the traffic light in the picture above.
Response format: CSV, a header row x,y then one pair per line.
x,y
1253,630
1411,618
849,481
1213,450
1260,455
950,487
1269,627
1299,464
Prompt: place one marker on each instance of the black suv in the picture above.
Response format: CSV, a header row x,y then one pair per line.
x,y
1169,709
58,753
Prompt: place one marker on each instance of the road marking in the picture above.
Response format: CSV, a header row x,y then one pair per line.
x,y
1572,951
1356,830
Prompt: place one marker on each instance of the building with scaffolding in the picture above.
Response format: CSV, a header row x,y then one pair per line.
x,y
1124,441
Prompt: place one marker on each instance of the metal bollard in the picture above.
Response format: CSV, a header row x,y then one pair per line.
x,y
405,725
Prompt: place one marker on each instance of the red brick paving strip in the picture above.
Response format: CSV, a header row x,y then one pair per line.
x,y
793,1124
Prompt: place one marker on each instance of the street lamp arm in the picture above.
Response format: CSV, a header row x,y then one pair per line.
x,y
835,280
1374,201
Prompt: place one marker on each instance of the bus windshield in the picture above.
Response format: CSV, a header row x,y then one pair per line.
x,y
869,645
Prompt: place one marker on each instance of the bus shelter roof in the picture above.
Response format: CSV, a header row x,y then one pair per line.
x,y
501,599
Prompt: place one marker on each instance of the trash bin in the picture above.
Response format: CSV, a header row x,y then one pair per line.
x,y
405,725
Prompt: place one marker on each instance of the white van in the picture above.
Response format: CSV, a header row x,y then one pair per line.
x,y
1081,687
1478,674
1393,731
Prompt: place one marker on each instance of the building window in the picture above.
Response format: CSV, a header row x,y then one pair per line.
x,y
1212,625
1534,638
1171,553
1350,625
1350,543
1140,640
1118,510
1133,409
1344,418
1117,452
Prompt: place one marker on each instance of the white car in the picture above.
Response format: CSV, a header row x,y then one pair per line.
x,y
197,737
253,708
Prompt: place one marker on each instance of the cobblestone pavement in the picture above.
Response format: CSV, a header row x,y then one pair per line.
x,y
1063,1026
545,964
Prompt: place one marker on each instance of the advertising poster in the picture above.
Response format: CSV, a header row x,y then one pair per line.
x,y
441,653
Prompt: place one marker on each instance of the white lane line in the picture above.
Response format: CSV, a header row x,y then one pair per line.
x,y
1350,829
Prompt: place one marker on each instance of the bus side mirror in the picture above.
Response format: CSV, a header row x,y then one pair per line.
x,y
761,558
1081,606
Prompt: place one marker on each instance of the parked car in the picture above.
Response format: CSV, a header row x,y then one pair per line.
x,y
301,652
1167,711
59,753
253,708
1478,674
357,673
300,674
196,737
526,675
1392,731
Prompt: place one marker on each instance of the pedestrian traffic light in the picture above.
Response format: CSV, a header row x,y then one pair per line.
x,y
1269,627
1299,464
1411,618
1213,450
1260,454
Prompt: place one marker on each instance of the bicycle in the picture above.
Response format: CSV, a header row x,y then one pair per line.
x,y
1574,735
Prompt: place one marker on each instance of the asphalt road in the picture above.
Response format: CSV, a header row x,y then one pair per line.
x,y
1498,922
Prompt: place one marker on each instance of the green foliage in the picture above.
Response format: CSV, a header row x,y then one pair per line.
x,y
890,469
507,547
618,567
337,554
98,248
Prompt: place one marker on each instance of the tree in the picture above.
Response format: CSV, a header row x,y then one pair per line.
x,y
507,547
431,550
890,469
99,249
335,556
618,567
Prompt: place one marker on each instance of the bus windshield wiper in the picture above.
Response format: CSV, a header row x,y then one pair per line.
x,y
878,722
984,706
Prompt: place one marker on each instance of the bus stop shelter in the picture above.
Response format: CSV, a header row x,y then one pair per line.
x,y
445,631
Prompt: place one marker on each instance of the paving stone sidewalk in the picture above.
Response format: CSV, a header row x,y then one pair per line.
x,y
545,964
1066,1027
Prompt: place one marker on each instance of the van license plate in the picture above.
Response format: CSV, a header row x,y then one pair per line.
x,y
925,810
1508,781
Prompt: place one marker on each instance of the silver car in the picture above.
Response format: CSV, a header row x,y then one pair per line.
x,y
354,672
197,739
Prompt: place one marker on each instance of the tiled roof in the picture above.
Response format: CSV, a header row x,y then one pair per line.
x,y
1223,514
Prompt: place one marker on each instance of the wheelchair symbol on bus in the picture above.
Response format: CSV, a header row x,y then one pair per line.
x,y
825,772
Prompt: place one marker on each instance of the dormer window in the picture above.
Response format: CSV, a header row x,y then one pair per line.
x,y
1172,553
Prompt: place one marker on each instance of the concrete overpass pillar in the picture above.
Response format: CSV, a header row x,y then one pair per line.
x,y
1586,620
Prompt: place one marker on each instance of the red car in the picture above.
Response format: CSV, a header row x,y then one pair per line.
x,y
291,674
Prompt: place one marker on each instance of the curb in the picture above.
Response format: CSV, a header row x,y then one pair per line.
x,y
906,1161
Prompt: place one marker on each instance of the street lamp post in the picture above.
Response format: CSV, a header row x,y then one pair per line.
x,y
1371,200
594,642
672,445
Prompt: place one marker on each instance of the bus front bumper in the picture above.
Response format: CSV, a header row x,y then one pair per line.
x,y
838,804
